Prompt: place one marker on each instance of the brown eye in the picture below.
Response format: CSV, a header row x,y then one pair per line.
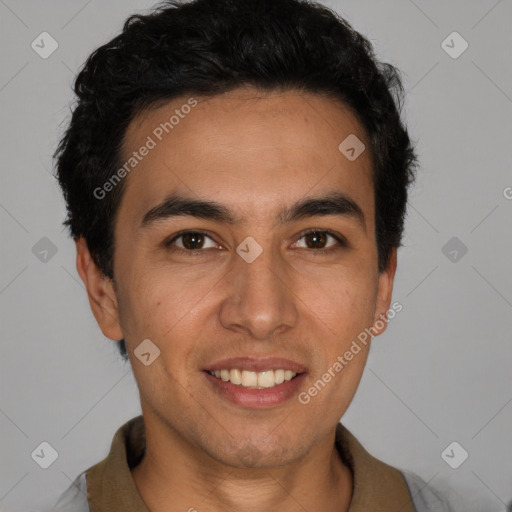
x,y
190,241
314,239
317,240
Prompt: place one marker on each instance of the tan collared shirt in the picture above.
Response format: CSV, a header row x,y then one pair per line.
x,y
108,485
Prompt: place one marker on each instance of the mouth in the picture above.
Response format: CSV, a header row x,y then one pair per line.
x,y
254,380
256,383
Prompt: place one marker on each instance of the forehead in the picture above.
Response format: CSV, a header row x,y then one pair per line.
x,y
248,148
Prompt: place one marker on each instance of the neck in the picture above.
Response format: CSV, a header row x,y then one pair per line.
x,y
193,481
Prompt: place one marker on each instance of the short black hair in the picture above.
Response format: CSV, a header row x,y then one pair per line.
x,y
208,47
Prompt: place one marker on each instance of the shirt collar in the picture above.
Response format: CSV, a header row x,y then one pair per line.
x,y
110,485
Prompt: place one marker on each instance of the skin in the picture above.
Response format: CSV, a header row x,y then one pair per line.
x,y
255,152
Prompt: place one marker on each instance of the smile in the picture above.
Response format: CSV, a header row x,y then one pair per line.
x,y
254,380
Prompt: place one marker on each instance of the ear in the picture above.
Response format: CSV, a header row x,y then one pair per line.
x,y
100,290
385,291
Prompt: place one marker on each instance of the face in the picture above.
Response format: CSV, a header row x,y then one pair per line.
x,y
251,276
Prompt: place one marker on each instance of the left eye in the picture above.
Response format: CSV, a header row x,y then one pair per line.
x,y
314,237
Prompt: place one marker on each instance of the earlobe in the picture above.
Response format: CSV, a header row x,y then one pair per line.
x,y
100,291
385,291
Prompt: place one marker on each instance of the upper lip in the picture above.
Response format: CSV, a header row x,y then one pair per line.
x,y
257,365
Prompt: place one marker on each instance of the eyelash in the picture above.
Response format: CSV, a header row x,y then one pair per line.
x,y
340,239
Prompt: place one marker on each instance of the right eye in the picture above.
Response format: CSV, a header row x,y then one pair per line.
x,y
189,241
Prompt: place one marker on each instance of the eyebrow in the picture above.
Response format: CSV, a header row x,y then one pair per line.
x,y
175,205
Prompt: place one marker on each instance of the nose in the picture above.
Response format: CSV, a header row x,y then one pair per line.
x,y
260,300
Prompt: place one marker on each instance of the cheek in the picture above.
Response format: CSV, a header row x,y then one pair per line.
x,y
156,312
343,309
165,305
343,301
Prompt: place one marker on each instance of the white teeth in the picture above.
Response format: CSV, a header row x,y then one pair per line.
x,y
235,376
254,380
266,379
249,378
288,374
279,375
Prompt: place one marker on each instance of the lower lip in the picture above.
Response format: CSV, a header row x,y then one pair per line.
x,y
257,398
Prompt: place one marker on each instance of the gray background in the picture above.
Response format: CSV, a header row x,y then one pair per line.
x,y
440,373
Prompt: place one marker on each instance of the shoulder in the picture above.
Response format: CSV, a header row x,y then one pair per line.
x,y
74,498
425,498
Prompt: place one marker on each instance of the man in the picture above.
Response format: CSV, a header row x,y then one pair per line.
x,y
236,176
